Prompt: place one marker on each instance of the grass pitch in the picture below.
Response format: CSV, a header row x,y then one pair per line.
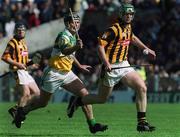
x,y
121,118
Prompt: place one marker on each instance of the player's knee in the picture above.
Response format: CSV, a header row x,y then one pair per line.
x,y
26,95
37,93
84,93
142,88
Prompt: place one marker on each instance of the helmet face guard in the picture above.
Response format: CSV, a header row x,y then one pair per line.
x,y
72,22
126,9
69,18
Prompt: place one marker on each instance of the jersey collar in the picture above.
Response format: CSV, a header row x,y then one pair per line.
x,y
68,33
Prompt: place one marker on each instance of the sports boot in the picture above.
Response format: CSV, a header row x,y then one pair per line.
x,y
144,127
97,127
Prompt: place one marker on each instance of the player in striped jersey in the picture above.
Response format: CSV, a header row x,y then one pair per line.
x,y
58,74
113,50
16,55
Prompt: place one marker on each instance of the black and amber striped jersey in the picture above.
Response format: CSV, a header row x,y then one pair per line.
x,y
115,41
17,51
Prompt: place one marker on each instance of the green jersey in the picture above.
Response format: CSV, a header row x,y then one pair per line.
x,y
58,60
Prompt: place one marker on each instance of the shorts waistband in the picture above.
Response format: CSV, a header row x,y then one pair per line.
x,y
59,71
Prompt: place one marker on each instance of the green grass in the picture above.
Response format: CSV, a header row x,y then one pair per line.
x,y
121,118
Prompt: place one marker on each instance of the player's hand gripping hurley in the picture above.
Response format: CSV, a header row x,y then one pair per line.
x,y
79,41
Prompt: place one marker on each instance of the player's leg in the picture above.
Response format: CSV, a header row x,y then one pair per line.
x,y
133,80
93,126
33,104
77,87
105,87
24,95
23,79
49,85
27,92
103,94
37,101
35,91
12,111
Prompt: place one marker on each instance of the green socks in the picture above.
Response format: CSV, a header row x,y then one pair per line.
x,y
91,122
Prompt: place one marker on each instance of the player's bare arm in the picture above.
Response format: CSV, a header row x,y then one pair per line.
x,y
136,41
103,58
85,68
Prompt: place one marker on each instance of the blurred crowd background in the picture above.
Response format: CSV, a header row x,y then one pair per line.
x,y
156,23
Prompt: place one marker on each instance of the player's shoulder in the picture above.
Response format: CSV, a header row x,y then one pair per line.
x,y
62,39
64,35
12,39
116,25
113,29
12,42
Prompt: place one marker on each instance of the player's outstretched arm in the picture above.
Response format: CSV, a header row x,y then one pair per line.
x,y
136,41
85,68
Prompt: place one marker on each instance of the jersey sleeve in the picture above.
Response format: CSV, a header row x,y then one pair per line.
x,y
9,51
106,37
62,42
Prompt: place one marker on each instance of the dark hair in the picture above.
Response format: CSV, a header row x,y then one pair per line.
x,y
19,25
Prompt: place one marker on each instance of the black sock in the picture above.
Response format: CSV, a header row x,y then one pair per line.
x,y
14,107
141,116
21,110
79,101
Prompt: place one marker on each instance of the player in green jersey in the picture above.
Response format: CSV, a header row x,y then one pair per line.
x,y
58,74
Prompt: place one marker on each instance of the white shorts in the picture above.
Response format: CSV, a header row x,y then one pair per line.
x,y
53,79
112,78
24,78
